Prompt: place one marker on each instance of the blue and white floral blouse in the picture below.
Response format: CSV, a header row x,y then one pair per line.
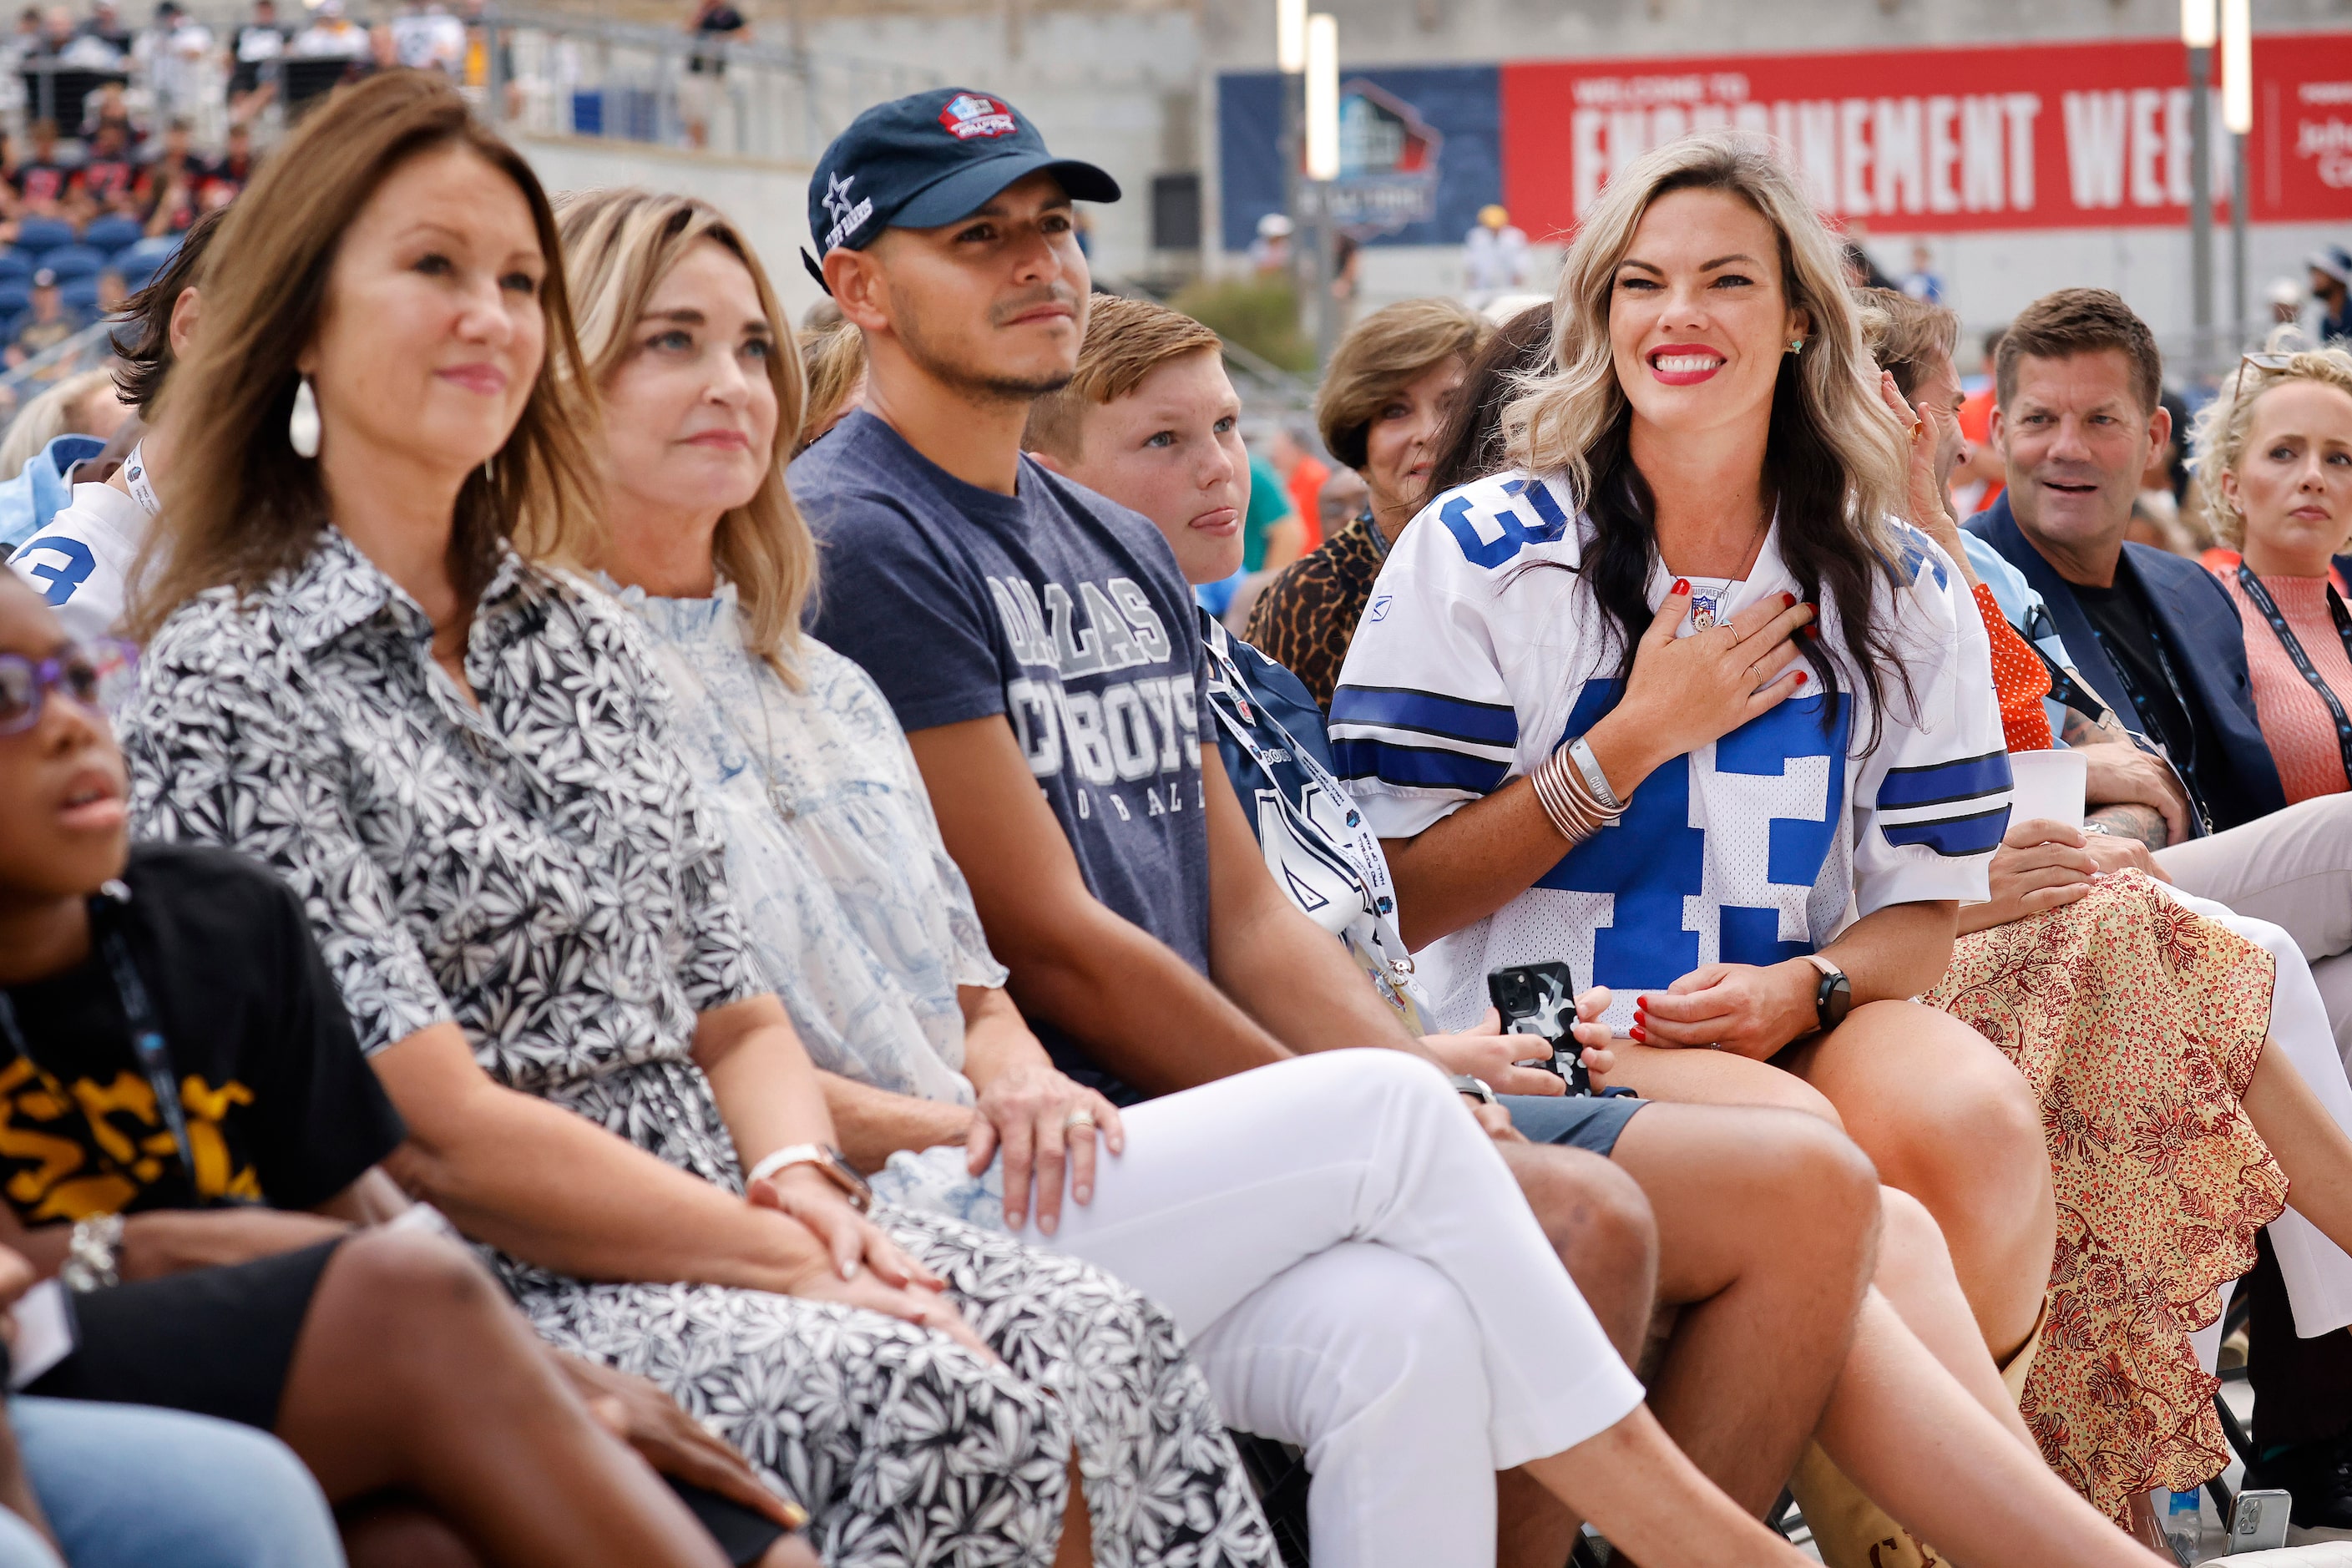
x,y
857,916
860,920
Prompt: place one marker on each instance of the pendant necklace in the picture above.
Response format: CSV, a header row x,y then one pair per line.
x,y
1709,595
764,756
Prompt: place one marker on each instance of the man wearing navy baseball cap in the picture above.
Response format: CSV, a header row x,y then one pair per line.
x,y
929,160
1040,647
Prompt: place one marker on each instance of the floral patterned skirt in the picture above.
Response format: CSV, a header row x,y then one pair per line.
x,y
906,1450
2139,1023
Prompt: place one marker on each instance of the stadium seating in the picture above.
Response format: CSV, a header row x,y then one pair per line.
x,y
38,235
74,262
112,234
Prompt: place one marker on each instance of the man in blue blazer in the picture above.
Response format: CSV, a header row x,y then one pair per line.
x,y
2078,423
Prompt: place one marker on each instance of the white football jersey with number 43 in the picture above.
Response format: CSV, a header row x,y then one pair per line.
x,y
1481,651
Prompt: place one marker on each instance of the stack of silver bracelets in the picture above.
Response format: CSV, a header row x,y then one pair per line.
x,y
1575,792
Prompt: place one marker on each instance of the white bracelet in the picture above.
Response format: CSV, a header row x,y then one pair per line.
x,y
790,1154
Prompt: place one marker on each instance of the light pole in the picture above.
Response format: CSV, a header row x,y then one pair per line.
x,y
1290,59
1323,167
2197,33
2238,115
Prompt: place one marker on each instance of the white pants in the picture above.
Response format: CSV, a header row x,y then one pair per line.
x,y
1358,1274
2318,1274
2292,868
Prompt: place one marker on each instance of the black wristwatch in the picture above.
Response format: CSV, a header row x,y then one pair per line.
x,y
1833,995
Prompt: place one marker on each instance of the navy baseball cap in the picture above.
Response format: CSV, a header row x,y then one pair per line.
x,y
928,159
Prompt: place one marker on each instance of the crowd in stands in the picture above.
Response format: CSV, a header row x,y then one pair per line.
x,y
631,936
105,174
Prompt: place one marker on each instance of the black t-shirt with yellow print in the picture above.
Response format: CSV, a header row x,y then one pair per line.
x,y
281,1106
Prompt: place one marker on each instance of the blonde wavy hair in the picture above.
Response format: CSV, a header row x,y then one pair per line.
x,y
834,357
1835,457
2223,425
618,245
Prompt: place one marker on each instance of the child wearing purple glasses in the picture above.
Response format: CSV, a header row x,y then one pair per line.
x,y
191,1150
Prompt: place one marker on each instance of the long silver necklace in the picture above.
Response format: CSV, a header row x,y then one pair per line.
x,y
765,755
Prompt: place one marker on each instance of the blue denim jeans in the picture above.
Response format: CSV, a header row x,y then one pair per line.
x,y
128,1484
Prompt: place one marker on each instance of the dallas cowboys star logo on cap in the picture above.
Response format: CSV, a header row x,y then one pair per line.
x,y
848,213
837,196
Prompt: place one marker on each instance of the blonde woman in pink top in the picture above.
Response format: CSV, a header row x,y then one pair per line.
x,y
2275,460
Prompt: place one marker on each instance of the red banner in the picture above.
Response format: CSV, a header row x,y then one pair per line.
x,y
1919,141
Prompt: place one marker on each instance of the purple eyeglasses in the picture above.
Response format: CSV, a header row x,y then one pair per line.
x,y
95,674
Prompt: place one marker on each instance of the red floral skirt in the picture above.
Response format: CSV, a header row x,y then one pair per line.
x,y
2139,1023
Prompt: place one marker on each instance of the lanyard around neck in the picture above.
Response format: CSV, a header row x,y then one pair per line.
x,y
135,480
146,1033
2184,765
2294,646
1380,903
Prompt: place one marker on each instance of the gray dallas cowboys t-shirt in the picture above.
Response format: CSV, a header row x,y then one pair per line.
x,y
1060,610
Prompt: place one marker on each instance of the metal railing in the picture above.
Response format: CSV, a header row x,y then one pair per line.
x,y
565,76
1265,386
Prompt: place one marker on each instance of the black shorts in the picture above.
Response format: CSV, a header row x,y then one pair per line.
x,y
744,1536
215,1342
1589,1121
218,1341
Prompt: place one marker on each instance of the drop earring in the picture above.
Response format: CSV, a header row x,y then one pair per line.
x,y
303,424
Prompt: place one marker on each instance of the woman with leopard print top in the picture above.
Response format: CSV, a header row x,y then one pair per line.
x,y
1384,404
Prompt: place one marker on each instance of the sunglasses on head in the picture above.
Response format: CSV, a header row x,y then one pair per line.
x,y
97,674
2260,362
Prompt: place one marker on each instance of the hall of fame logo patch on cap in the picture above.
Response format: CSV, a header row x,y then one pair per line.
x,y
969,115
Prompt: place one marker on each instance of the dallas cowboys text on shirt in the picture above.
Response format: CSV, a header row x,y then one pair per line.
x,y
1134,741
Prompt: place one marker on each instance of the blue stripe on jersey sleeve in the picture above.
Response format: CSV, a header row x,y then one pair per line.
x,y
1979,833
1963,779
1416,767
1401,707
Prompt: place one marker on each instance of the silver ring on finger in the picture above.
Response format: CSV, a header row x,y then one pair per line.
x,y
1076,1119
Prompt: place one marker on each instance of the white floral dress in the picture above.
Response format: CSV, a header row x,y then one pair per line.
x,y
540,872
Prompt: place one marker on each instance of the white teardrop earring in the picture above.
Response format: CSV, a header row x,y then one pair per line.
x,y
303,424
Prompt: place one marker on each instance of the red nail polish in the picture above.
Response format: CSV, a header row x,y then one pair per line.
x,y
1810,630
1636,1032
1801,678
1787,601
1682,585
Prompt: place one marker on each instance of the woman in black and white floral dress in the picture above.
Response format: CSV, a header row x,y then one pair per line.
x,y
457,758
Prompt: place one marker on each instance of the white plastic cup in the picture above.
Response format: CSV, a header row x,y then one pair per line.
x,y
2049,787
